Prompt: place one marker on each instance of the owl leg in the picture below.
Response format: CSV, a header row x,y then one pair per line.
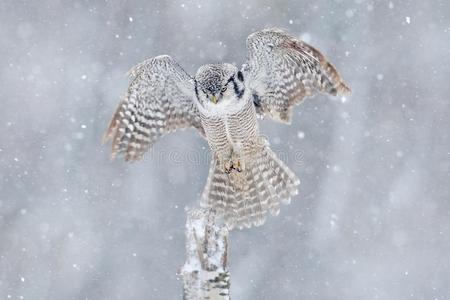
x,y
232,162
236,162
228,166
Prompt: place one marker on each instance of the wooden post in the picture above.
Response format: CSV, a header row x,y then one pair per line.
x,y
205,273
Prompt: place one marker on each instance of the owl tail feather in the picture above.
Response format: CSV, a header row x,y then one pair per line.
x,y
244,198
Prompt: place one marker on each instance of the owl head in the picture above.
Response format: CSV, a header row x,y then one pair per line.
x,y
218,83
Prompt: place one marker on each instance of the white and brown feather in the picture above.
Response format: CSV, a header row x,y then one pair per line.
x,y
244,198
159,101
280,72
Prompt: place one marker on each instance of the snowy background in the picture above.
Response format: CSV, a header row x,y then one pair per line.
x,y
372,220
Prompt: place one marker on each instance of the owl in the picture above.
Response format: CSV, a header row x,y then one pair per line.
x,y
246,181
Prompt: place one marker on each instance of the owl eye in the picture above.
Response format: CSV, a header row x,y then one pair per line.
x,y
223,89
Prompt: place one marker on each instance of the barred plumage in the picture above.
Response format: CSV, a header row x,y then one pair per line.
x,y
268,182
284,70
246,180
244,197
159,101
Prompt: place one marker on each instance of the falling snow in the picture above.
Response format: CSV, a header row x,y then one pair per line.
x,y
371,218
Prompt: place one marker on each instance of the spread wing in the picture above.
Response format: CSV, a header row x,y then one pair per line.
x,y
282,70
159,100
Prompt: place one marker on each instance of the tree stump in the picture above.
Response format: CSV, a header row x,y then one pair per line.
x,y
205,273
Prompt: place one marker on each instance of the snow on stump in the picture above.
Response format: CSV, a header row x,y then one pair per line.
x,y
205,273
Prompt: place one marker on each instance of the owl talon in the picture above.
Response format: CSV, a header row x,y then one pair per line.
x,y
237,166
228,166
231,165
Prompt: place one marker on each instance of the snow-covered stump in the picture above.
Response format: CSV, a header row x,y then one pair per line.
x,y
205,273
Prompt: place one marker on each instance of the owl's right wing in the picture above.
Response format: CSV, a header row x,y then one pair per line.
x,y
282,70
159,101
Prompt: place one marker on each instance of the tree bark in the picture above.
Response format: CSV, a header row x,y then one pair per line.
x,y
205,273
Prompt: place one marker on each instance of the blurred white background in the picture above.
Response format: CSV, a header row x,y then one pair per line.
x,y
372,220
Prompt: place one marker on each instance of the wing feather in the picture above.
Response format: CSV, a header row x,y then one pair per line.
x,y
159,101
282,70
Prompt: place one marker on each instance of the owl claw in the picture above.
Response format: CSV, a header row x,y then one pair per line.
x,y
237,166
228,166
231,165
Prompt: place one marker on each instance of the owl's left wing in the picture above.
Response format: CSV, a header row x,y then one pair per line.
x,y
159,100
282,70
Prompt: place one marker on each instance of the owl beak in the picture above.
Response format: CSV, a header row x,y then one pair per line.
x,y
214,99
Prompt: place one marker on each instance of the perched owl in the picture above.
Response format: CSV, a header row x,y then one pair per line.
x,y
246,179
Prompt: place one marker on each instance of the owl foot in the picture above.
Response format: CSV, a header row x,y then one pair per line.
x,y
233,164
228,166
238,166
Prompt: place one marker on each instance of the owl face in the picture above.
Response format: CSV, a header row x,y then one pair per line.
x,y
218,84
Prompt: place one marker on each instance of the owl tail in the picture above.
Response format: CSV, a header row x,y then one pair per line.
x,y
244,198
